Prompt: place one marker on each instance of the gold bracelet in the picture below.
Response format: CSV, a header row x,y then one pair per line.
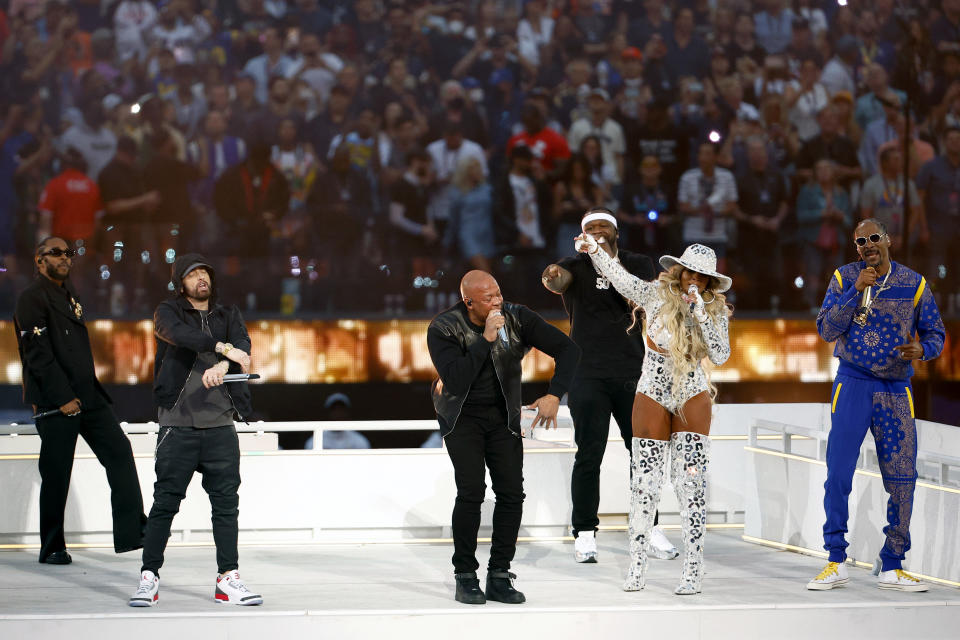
x,y
226,348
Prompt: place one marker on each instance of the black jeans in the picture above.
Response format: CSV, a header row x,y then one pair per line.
x,y
481,437
58,442
215,453
591,402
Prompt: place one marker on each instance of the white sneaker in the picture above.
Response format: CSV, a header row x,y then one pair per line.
x,y
659,546
231,590
585,547
833,575
148,592
901,580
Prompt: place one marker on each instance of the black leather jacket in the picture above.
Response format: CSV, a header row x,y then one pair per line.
x,y
458,353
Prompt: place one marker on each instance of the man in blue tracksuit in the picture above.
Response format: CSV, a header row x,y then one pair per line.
x,y
876,344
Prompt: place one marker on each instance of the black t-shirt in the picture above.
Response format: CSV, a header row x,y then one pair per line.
x,y
485,390
841,150
414,199
760,194
669,145
599,317
170,178
119,181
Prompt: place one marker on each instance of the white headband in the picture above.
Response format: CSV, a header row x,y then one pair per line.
x,y
599,215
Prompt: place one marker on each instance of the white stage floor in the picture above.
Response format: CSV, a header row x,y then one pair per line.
x,y
406,591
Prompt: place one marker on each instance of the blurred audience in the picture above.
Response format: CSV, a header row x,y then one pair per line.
x,y
380,141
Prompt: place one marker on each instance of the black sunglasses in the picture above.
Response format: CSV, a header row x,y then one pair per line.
x,y
874,238
56,252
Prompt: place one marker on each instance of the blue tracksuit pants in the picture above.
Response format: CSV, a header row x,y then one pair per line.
x,y
885,407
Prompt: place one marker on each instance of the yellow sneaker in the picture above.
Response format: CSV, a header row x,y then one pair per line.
x,y
833,575
901,580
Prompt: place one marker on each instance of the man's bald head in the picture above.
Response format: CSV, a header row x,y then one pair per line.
x,y
481,294
474,280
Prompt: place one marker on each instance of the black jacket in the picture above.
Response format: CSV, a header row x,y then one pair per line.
x,y
458,353
55,348
180,337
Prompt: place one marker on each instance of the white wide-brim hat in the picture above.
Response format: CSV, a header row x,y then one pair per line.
x,y
701,259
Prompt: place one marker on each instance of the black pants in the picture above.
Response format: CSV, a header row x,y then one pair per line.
x,y
215,453
592,401
480,438
58,442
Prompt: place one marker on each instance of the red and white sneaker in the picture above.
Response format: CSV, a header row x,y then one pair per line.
x,y
148,593
231,590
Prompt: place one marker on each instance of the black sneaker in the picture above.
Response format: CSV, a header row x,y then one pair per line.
x,y
468,588
58,557
500,587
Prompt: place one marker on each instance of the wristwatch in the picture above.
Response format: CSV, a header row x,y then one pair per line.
x,y
223,348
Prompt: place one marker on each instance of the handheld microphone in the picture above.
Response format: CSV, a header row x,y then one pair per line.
x,y
692,292
240,377
860,316
502,331
48,414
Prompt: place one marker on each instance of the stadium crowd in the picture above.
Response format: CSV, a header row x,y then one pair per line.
x,y
357,155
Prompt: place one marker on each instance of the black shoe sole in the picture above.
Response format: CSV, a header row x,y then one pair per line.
x,y
521,600
50,560
467,600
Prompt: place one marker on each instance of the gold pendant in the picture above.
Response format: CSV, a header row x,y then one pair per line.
x,y
77,309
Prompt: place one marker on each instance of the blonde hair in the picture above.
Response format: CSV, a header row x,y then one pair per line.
x,y
461,176
687,347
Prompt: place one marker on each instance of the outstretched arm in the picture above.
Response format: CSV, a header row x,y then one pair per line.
x,y
556,279
630,286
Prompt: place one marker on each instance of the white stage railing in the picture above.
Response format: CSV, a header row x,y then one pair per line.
x,y
349,495
784,495
764,473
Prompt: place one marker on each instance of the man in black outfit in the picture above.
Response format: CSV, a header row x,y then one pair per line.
x,y
477,347
58,373
606,379
198,342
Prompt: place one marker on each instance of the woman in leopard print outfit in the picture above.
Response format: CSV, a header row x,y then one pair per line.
x,y
686,320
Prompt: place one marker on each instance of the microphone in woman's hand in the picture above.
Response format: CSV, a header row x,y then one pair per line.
x,y
692,292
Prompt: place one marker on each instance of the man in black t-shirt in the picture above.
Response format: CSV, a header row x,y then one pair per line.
x,y
762,210
417,235
477,347
605,382
832,144
129,208
170,177
665,141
